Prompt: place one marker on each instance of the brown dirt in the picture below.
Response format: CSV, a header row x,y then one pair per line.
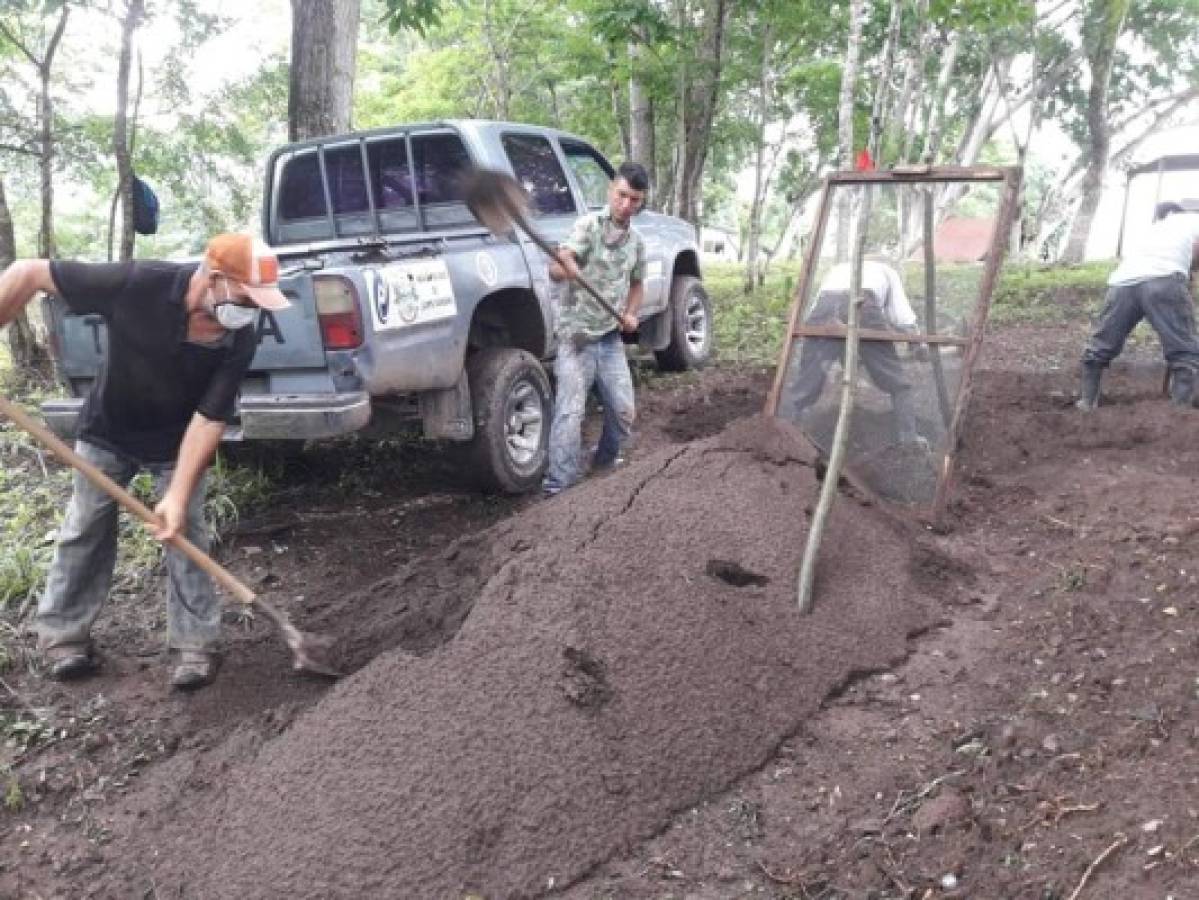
x,y
598,696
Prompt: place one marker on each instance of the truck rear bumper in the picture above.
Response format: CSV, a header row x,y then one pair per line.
x,y
263,416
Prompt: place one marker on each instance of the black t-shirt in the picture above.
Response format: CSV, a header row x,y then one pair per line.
x,y
152,379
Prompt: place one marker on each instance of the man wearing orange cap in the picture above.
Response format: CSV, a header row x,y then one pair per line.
x,y
180,340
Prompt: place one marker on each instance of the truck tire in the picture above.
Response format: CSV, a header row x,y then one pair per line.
x,y
690,313
510,394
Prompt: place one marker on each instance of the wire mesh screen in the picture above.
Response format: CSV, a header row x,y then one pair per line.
x,y
926,254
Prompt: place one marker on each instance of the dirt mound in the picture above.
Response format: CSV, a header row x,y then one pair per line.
x,y
634,648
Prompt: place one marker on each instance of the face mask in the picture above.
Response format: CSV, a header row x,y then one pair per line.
x,y
232,317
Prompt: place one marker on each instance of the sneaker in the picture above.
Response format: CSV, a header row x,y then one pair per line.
x,y
195,669
70,661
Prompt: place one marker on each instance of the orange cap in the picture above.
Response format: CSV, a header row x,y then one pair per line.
x,y
242,259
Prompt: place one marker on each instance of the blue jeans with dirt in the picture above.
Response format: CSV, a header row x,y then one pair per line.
x,y
81,574
601,363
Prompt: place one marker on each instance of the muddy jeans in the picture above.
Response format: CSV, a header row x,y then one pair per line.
x,y
604,364
81,573
1166,303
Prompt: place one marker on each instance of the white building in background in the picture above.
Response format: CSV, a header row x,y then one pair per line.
x,y
718,244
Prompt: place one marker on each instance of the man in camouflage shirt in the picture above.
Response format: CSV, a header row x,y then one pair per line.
x,y
610,254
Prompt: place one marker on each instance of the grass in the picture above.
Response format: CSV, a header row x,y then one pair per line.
x,y
749,328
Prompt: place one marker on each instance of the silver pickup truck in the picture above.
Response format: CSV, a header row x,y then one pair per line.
x,y
405,311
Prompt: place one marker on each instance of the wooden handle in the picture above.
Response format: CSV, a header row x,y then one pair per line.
x,y
549,251
123,497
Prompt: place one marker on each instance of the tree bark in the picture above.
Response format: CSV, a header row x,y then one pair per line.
x,y
324,44
849,78
882,90
46,244
697,109
122,143
754,226
1102,26
641,115
22,343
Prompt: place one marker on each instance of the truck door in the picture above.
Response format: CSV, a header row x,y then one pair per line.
x,y
592,173
536,165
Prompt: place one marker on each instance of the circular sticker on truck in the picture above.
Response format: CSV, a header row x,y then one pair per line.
x,y
485,266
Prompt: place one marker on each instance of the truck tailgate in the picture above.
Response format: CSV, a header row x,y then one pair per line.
x,y
291,338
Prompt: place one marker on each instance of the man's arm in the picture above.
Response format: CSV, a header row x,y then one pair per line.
x,y
564,266
20,283
199,445
628,321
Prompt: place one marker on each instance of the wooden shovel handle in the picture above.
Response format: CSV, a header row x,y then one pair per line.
x,y
536,238
222,575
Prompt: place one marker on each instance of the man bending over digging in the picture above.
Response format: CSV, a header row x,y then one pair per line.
x,y
180,340
1151,283
610,253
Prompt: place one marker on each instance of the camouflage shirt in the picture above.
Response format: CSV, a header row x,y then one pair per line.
x,y
611,270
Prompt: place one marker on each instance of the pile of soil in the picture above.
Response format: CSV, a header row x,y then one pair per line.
x,y
633,648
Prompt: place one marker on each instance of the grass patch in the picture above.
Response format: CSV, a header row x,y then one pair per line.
x,y
749,328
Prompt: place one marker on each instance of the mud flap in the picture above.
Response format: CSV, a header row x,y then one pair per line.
x,y
447,414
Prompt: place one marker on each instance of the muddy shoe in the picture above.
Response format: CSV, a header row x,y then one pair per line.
x,y
70,661
195,669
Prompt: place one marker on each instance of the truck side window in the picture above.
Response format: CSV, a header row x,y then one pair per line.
x,y
537,168
591,170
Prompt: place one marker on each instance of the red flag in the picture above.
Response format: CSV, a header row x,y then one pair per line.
x,y
862,162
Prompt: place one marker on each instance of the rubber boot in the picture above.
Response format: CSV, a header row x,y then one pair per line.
x,y
1088,394
1182,386
905,421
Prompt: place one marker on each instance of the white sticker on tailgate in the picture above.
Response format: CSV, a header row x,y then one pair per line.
x,y
410,293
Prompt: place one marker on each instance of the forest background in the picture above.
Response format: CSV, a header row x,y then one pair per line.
x,y
737,107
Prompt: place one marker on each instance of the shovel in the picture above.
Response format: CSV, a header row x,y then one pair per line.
x,y
307,649
499,203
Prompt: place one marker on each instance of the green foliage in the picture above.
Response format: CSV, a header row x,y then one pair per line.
x,y
750,327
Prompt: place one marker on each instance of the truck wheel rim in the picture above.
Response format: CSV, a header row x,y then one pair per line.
x,y
697,323
524,424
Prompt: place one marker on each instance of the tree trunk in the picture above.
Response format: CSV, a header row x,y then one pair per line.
x,y
46,244
882,90
697,111
641,115
754,226
121,143
324,44
22,343
1102,25
849,78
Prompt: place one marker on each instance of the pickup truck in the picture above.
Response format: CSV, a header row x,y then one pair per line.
x,y
406,313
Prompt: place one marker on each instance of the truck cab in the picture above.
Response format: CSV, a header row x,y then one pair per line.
x,y
406,313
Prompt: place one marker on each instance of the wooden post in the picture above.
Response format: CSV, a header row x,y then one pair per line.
x,y
849,389
930,308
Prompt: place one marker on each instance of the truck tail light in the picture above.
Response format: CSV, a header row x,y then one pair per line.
x,y
338,312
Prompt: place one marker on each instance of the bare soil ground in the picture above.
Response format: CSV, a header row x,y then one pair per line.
x,y
607,695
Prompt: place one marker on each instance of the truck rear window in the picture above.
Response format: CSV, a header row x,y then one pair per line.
x,y
407,185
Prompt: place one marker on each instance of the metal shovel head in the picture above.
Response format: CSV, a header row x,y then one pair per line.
x,y
497,200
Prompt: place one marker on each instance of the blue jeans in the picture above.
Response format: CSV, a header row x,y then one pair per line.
x,y
604,364
81,573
